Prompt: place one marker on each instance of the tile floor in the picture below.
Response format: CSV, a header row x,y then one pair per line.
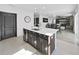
x,y
16,46
66,36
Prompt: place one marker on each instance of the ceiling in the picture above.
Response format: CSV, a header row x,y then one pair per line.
x,y
55,9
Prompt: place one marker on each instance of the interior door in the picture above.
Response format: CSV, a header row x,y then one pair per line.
x,y
8,25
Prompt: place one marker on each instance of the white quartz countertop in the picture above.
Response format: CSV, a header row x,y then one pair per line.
x,y
45,31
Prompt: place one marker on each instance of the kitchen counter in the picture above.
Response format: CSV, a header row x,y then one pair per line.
x,y
42,39
45,31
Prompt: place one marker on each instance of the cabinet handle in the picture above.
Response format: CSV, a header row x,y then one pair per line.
x,y
35,42
45,48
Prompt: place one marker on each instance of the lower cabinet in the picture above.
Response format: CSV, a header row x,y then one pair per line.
x,y
26,35
30,38
39,41
39,44
34,41
44,47
44,43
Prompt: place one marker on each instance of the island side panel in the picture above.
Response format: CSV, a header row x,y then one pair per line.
x,y
51,44
39,41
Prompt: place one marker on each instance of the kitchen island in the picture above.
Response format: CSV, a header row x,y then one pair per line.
x,y
42,39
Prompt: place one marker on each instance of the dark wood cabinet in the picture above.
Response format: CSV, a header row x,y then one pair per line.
x,y
43,43
8,25
44,46
52,43
30,37
39,41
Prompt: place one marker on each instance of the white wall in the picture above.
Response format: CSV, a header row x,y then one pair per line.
x,y
20,16
47,10
28,10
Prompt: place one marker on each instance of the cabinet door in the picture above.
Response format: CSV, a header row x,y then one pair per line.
x,y
39,44
44,46
25,34
34,41
42,43
30,37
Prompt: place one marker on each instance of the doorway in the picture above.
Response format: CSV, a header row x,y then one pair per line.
x,y
66,27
